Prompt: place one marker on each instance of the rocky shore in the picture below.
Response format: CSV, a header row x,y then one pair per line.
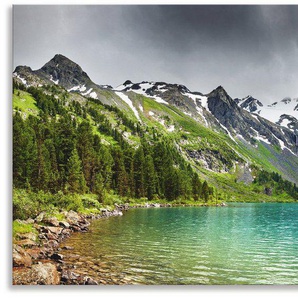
x,y
38,257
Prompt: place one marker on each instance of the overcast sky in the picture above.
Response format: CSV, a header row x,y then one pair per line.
x,y
246,49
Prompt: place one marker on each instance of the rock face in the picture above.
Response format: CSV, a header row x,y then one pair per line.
x,y
240,122
38,274
249,104
65,72
211,160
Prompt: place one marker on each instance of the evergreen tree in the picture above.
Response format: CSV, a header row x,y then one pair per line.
x,y
75,179
196,186
205,191
99,186
120,177
24,152
106,162
138,164
86,151
150,178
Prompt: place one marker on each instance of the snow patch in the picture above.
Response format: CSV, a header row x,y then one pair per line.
x,y
55,82
141,108
93,95
151,113
229,134
127,100
158,99
87,92
201,113
204,102
285,122
261,138
142,91
20,78
77,88
162,88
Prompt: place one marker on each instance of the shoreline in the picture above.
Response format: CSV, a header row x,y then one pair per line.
x,y
38,259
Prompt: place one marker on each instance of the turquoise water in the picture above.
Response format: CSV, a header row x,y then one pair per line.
x,y
239,244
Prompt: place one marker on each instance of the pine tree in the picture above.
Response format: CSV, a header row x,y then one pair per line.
x,y
106,161
24,152
138,164
99,186
86,151
150,178
205,191
75,179
196,186
120,177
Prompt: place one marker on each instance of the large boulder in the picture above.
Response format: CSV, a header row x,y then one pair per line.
x,y
53,221
39,274
73,218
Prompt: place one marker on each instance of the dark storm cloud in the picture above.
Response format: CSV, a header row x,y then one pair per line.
x,y
247,49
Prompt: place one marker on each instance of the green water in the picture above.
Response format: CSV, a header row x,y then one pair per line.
x,y
239,244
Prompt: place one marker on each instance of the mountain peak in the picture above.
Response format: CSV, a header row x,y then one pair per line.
x,y
219,91
64,71
127,82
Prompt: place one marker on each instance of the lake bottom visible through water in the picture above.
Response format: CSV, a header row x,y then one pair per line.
x,y
243,243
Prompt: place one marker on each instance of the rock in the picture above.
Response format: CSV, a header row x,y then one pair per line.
x,y
66,233
39,274
89,281
53,221
57,257
26,243
36,253
55,230
20,257
51,244
51,236
69,277
64,224
72,217
39,217
268,191
67,247
30,236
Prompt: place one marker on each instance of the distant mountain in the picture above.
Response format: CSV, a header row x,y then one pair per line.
x,y
249,104
211,130
284,112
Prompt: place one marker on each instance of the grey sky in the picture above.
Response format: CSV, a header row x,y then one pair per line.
x,y
246,49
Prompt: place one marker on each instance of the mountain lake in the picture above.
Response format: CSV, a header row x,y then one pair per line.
x,y
244,243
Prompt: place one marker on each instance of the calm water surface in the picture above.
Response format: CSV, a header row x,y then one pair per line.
x,y
239,244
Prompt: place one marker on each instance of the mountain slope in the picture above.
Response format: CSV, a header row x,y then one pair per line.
x,y
211,131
